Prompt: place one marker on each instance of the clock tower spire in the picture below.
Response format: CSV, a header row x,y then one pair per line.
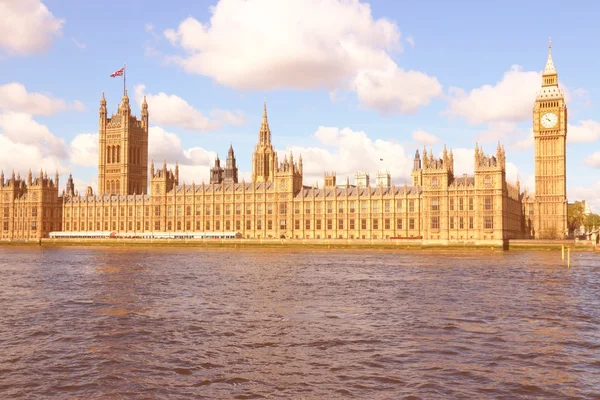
x,y
550,140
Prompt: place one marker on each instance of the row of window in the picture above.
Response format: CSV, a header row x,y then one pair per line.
x,y
24,225
488,204
237,225
462,223
329,208
21,212
229,209
34,195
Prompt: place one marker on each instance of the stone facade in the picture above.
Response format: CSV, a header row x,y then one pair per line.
x,y
550,141
438,207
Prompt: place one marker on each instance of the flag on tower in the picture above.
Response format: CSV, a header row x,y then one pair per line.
x,y
118,72
121,72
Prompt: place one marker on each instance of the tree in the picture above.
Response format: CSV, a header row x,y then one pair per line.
x,y
575,216
591,221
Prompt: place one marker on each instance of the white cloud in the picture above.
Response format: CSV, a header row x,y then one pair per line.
x,y
593,160
27,27
522,144
464,161
347,152
194,163
14,97
163,145
348,52
81,185
507,133
172,110
410,41
148,27
229,117
585,131
84,150
394,90
425,138
510,100
21,157
78,44
496,131
21,128
24,144
590,193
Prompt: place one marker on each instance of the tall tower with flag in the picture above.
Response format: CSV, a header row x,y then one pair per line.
x,y
123,148
550,141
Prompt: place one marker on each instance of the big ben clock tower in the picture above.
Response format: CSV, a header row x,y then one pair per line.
x,y
550,137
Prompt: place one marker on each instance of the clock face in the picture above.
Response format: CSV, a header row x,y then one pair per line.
x,y
548,120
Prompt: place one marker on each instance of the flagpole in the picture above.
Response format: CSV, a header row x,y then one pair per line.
x,y
124,74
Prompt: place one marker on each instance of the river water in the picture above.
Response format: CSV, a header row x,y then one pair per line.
x,y
91,323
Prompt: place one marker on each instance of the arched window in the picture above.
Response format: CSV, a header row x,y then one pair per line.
x,y
118,154
117,187
108,155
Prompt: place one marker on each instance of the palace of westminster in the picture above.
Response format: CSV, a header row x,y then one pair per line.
x,y
438,207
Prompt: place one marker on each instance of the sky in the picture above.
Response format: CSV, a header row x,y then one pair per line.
x,y
347,82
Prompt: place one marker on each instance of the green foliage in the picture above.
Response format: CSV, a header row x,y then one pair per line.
x,y
575,216
591,221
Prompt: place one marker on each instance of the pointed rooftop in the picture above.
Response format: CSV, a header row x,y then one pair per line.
x,y
549,69
265,131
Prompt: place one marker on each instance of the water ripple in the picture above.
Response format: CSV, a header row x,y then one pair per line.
x,y
184,323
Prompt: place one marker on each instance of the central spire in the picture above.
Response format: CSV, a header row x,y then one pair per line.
x,y
264,136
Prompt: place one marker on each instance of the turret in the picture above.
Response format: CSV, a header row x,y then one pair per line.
x,y
216,172
329,181
124,108
29,178
500,155
145,112
70,186
417,161
102,110
231,170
